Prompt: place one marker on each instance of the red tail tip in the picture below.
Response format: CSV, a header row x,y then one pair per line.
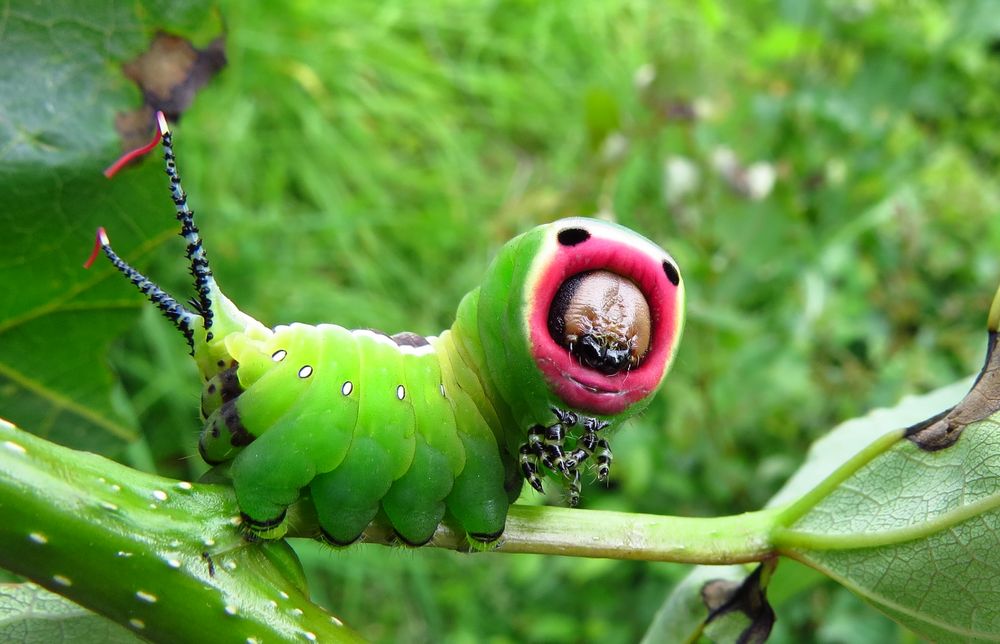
x,y
100,241
128,157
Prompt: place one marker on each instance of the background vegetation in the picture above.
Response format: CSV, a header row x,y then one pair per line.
x,y
824,172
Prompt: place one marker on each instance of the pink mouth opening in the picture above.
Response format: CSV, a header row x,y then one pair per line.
x,y
584,388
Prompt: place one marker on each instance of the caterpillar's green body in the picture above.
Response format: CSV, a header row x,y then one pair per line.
x,y
420,428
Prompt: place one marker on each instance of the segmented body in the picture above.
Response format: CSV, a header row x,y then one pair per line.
x,y
365,421
573,330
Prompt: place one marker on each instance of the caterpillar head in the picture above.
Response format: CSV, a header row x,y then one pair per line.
x,y
580,314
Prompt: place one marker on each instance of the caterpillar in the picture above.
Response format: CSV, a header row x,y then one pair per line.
x,y
571,331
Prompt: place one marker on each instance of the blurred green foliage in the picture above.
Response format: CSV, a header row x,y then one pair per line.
x,y
825,173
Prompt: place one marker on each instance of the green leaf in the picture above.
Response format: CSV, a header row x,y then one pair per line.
x,y
912,522
682,616
29,614
844,441
61,87
916,533
907,519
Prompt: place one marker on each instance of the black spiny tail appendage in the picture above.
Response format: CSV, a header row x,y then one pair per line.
x,y
181,317
200,270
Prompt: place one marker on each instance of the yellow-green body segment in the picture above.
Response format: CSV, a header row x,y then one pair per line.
x,y
364,423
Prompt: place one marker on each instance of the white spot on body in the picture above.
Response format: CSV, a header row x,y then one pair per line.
x,y
209,542
305,371
273,603
347,388
336,621
230,609
279,355
283,594
400,392
6,424
137,623
38,537
173,563
142,595
115,487
422,350
310,636
229,564
159,495
184,485
442,391
297,612
109,506
253,640
122,553
153,506
14,447
62,580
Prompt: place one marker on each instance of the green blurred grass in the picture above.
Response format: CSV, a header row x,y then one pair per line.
x,y
360,162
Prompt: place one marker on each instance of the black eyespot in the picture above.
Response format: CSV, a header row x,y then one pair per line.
x,y
572,236
672,273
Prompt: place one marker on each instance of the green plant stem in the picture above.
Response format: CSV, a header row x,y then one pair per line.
x,y
164,558
610,535
167,559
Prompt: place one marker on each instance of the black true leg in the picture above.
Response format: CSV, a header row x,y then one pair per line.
x,y
587,443
574,489
604,458
545,448
555,434
530,454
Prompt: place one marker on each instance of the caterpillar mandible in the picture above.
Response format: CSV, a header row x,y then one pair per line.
x,y
572,330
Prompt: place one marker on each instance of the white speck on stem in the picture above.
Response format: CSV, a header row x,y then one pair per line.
x,y
123,553
229,564
115,487
209,542
14,447
137,623
173,563
297,612
159,495
38,538
310,636
336,620
142,595
62,580
283,594
184,485
230,609
107,505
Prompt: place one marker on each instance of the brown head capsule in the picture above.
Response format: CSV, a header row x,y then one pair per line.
x,y
603,319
